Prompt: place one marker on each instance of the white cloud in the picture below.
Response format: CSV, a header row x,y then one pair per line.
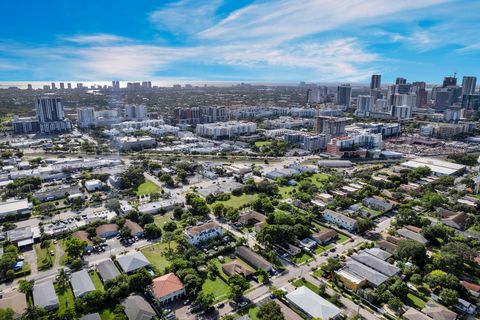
x,y
185,16
100,38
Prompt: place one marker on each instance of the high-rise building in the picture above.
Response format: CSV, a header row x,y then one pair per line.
x,y
422,98
400,80
449,81
54,87
62,86
69,86
79,85
29,86
402,112
419,85
469,84
135,112
364,104
376,82
51,116
85,117
330,125
443,98
471,102
344,95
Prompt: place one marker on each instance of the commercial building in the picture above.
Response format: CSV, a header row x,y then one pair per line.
x,y
376,82
167,288
203,232
332,126
226,129
136,143
15,208
312,304
438,167
51,116
344,95
469,84
307,141
24,236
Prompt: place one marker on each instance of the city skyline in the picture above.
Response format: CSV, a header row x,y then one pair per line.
x,y
281,42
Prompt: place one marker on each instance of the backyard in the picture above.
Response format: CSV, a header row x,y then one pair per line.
x,y
96,280
156,255
237,202
65,298
262,143
217,287
44,258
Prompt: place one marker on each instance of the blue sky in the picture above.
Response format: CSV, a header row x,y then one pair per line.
x,y
239,40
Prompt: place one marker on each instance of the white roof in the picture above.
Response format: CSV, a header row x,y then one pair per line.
x,y
16,205
438,166
313,304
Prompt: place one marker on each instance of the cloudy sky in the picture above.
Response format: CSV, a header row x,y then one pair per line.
x,y
239,40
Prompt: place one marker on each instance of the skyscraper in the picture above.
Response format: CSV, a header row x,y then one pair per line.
x,y
449,81
85,117
330,125
376,81
62,86
400,80
469,84
69,86
135,112
50,115
364,104
344,95
53,86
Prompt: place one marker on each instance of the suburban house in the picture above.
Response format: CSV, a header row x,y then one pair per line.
x,y
325,197
135,229
137,308
312,304
203,232
24,237
15,300
107,231
378,203
414,314
387,246
83,235
456,220
472,288
252,218
365,268
107,270
236,267
412,235
438,312
44,295
132,262
379,253
20,207
167,288
81,283
253,259
340,220
325,236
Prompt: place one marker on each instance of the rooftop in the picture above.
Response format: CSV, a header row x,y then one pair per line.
x,y
166,284
313,304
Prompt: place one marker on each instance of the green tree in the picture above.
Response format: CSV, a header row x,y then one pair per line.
x,y
205,299
152,231
25,286
270,311
413,251
7,314
395,303
449,297
140,281
75,247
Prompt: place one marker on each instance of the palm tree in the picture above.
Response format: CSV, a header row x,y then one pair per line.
x,y
62,279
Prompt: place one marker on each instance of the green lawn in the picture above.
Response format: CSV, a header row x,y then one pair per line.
x,y
44,259
237,202
342,238
299,283
156,255
262,143
217,287
285,191
415,301
160,220
252,313
301,258
65,298
321,249
96,280
318,179
374,213
146,188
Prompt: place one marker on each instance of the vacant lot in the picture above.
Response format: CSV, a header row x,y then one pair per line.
x,y
156,255
147,187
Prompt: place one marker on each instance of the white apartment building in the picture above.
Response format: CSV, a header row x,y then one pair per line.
x,y
203,232
226,129
340,220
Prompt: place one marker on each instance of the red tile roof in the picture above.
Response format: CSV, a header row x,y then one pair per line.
x,y
166,284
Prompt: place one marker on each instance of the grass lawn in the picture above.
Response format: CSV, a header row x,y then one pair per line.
x,y
262,143
146,188
318,225
65,298
44,259
318,179
374,213
156,255
415,301
160,220
301,258
96,281
321,249
319,273
252,313
217,287
285,191
64,257
342,238
472,229
299,283
237,202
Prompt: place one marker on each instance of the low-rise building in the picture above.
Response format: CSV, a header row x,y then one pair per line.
x,y
107,270
203,232
107,231
378,203
312,304
137,308
168,288
136,143
15,208
132,262
81,283
135,229
93,185
340,220
23,237
325,236
253,259
14,300
44,295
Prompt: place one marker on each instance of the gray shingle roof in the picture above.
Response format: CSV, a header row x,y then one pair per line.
x,y
107,270
361,270
412,235
81,283
91,316
137,308
376,264
132,262
44,295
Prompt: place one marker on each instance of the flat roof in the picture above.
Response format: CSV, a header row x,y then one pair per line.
x,y
16,205
313,304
